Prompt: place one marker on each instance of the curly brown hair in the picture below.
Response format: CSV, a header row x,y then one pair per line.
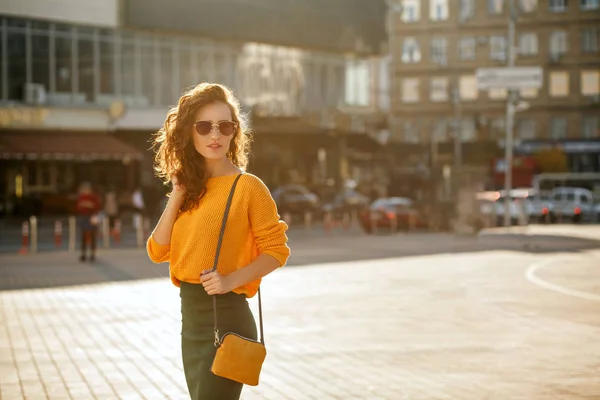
x,y
174,147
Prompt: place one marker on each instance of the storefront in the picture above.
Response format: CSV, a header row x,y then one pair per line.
x,y
582,156
41,169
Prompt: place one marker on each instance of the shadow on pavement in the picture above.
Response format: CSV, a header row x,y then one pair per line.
x,y
59,268
426,244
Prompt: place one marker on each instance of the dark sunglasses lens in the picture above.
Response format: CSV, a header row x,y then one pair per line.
x,y
203,128
226,128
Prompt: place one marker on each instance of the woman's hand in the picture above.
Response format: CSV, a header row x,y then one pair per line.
x,y
177,187
215,283
178,191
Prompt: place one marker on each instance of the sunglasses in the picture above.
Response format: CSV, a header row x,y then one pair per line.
x,y
226,128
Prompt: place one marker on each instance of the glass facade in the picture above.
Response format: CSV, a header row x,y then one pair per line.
x,y
65,65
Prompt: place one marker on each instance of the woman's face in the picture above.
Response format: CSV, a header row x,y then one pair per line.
x,y
214,144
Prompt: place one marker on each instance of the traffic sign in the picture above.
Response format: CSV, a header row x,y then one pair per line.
x,y
510,78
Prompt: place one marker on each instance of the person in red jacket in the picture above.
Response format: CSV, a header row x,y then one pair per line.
x,y
87,208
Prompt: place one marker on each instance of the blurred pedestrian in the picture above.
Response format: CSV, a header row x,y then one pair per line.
x,y
202,150
111,208
137,199
87,208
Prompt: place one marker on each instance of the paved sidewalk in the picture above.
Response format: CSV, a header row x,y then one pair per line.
x,y
437,327
462,322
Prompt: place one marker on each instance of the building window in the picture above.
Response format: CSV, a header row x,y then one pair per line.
x,y
466,49
558,128
590,126
498,48
587,5
40,63
528,5
559,5
497,93
357,83
439,89
498,127
558,43
528,44
410,132
411,53
440,131
529,93
411,10
590,83
438,51
438,10
468,87
495,6
467,130
410,90
589,40
526,128
559,84
467,9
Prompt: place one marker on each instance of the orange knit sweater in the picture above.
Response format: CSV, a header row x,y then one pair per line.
x,y
253,228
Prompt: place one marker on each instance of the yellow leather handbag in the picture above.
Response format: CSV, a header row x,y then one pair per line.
x,y
237,358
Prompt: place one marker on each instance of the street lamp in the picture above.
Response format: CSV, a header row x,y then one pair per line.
x,y
457,129
510,113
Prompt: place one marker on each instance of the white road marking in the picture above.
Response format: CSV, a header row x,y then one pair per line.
x,y
533,278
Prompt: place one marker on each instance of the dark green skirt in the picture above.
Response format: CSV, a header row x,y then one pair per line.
x,y
197,339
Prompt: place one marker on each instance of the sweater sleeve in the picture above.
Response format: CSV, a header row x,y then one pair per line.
x,y
267,228
158,253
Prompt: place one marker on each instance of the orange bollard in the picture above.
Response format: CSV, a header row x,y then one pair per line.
x,y
346,221
307,220
24,238
287,218
373,222
328,222
57,233
412,221
394,223
117,231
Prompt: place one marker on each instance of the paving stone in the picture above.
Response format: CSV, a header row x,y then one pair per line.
x,y
466,325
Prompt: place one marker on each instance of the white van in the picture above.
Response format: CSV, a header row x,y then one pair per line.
x,y
576,204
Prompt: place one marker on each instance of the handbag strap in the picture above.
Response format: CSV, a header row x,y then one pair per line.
x,y
214,268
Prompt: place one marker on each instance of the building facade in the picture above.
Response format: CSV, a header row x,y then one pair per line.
x,y
80,95
437,45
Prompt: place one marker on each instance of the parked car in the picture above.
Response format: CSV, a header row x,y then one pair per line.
x,y
295,199
576,204
539,208
347,200
384,212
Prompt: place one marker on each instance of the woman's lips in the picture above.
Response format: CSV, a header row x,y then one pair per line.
x,y
214,146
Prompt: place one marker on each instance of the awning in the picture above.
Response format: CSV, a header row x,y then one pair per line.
x,y
64,146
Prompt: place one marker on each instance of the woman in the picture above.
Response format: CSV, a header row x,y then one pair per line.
x,y
201,150
87,208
